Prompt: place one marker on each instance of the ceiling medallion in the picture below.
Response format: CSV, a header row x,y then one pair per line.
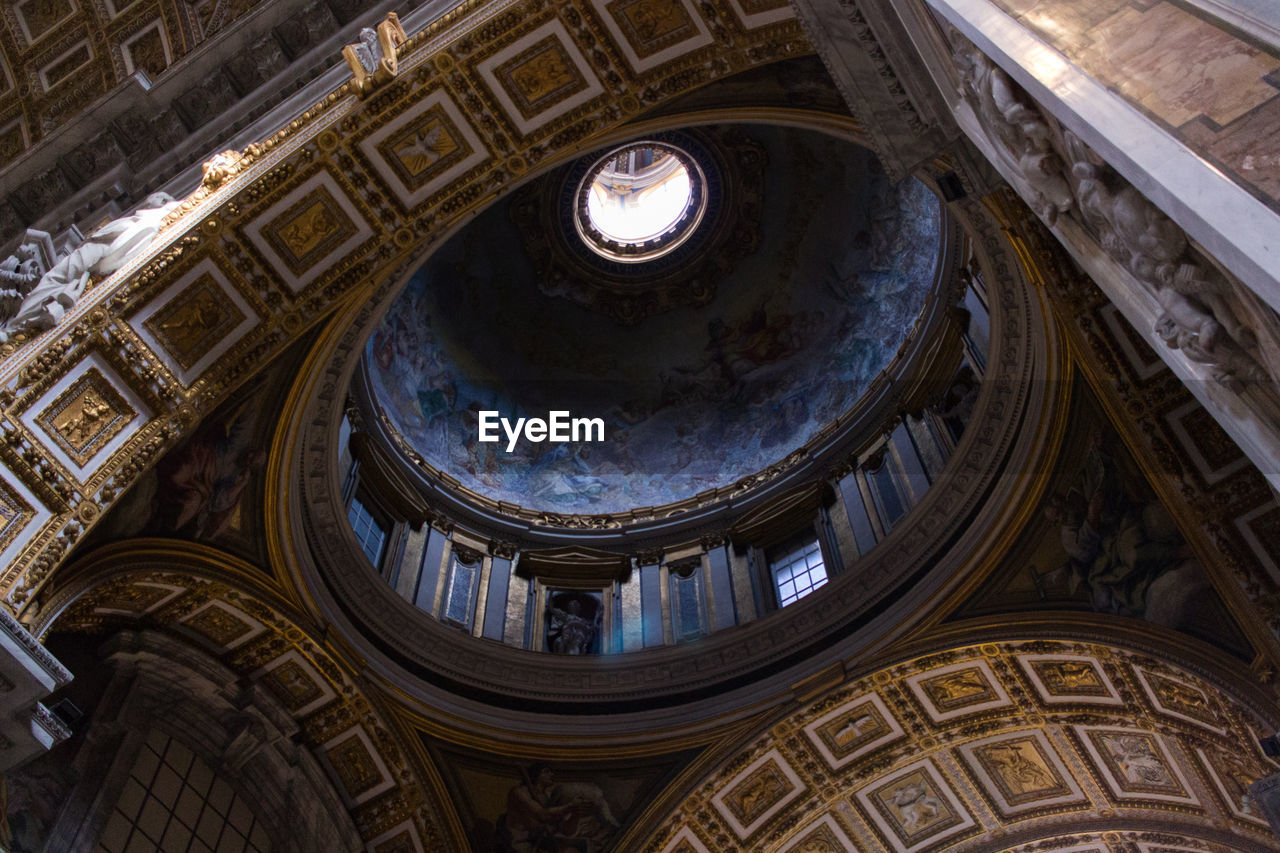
x,y
698,199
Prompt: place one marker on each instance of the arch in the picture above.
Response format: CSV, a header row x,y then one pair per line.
x,y
203,631
1032,740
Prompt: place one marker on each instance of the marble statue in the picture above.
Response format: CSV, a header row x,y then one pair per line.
x,y
1196,314
1200,310
1025,138
571,633
102,253
18,275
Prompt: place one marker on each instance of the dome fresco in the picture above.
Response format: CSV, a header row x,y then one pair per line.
x,y
695,398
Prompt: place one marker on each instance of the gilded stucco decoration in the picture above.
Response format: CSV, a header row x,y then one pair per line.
x,y
1030,741
374,59
57,57
312,218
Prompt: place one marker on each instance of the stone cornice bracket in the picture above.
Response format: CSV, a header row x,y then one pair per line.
x,y
28,674
716,539
14,632
503,550
877,69
648,556
374,60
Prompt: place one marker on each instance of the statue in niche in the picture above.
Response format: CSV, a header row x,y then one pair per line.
x,y
955,405
102,253
573,623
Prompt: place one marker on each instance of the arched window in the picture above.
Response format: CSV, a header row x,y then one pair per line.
x,y
370,530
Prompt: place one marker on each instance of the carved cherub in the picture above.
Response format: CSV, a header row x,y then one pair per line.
x,y
1020,131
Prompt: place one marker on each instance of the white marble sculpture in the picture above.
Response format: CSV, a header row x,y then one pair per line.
x,y
18,275
1024,137
1196,316
102,253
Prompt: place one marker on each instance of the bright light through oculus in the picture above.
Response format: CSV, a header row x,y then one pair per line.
x,y
633,211
640,201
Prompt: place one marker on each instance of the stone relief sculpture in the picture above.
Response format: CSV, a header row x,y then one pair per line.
x,y
374,58
916,804
1201,312
1024,137
32,305
1196,316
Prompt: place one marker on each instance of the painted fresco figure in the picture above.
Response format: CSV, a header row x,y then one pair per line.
x,y
538,821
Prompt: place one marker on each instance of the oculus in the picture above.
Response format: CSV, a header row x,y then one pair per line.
x,y
640,201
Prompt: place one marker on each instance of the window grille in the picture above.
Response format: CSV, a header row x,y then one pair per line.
x,y
172,801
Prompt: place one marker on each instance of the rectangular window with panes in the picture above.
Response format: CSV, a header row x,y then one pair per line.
x,y
797,568
371,531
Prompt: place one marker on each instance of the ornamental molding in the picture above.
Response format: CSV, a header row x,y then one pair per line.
x,y
730,170
870,764
164,603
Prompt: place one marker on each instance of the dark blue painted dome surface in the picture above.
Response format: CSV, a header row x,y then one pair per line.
x,y
694,398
